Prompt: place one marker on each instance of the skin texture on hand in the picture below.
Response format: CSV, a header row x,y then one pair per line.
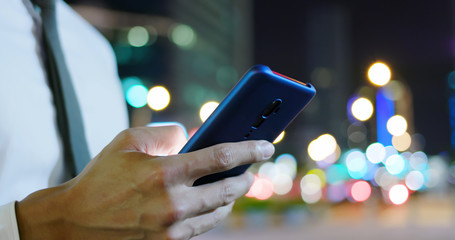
x,y
138,188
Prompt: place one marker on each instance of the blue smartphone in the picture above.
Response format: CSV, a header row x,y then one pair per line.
x,y
259,107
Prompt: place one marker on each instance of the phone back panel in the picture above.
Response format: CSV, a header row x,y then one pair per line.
x,y
240,117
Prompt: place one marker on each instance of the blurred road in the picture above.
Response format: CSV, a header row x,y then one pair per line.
x,y
422,217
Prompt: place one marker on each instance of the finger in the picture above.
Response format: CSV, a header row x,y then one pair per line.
x,y
164,140
207,197
220,157
200,224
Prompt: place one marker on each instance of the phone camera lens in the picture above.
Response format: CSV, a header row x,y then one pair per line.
x,y
273,107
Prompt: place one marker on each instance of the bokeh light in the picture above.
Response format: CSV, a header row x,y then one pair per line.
x,y
158,98
331,159
138,36
282,184
379,74
414,180
310,186
322,147
376,153
436,174
402,142
336,192
279,138
362,109
360,191
395,164
419,161
207,109
287,164
267,170
183,36
394,90
136,96
128,82
398,194
261,189
397,125
371,171
336,173
389,151
280,173
356,164
320,173
384,179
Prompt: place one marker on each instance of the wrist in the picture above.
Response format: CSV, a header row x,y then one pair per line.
x,y
41,215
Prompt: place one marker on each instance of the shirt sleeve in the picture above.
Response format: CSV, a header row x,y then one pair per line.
x,y
8,222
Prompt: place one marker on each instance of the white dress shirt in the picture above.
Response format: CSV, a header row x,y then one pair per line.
x,y
30,145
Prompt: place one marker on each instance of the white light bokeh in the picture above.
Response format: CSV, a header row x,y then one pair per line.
x,y
414,180
389,151
158,98
322,147
379,74
267,170
355,161
395,164
376,153
310,186
398,194
362,109
419,161
288,164
282,184
384,179
397,125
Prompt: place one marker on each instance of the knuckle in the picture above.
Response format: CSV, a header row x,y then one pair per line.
x,y
227,193
254,150
172,171
224,157
128,133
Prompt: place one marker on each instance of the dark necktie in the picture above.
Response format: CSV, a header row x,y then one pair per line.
x,y
69,118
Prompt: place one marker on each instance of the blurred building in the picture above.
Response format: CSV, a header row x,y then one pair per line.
x,y
209,64
196,49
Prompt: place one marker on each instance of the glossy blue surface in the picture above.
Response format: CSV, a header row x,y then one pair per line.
x,y
233,119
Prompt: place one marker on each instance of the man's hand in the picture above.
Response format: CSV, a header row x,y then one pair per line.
x,y
137,188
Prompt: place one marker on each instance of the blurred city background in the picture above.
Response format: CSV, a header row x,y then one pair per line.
x,y
370,157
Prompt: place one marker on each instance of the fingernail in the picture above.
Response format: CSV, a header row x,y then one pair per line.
x,y
267,149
